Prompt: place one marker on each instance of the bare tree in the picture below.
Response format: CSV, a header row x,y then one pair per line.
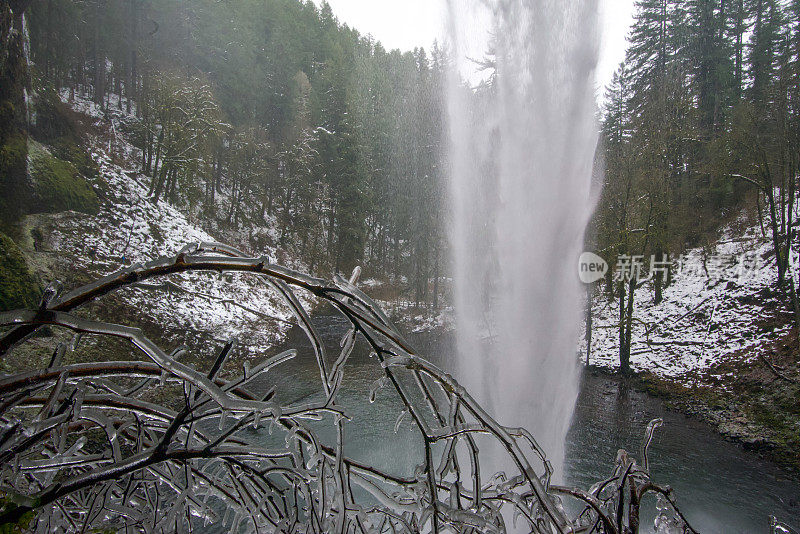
x,y
91,445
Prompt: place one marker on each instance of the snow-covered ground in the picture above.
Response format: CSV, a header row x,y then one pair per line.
x,y
405,313
721,304
418,319
130,228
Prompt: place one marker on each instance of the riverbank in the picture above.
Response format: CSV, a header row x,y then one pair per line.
x,y
756,410
721,345
747,401
721,487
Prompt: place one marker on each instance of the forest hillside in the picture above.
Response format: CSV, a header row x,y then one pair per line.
x,y
132,127
132,130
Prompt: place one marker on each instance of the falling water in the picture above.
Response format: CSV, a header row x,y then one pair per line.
x,y
522,150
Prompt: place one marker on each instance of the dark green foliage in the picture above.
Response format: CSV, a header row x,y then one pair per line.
x,y
21,526
53,118
58,185
18,287
351,206
13,177
67,149
674,136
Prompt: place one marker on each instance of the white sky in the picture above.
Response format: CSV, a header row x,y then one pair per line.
x,y
406,24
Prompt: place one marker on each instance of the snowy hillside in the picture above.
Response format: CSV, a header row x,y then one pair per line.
x,y
721,304
130,228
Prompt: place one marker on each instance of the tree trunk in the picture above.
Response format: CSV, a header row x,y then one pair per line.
x,y
130,87
629,323
776,237
658,281
739,48
626,324
624,353
159,144
99,57
159,183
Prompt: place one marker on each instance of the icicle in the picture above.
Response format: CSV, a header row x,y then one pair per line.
x,y
396,360
355,276
189,249
78,445
291,436
350,333
50,294
58,355
256,420
312,461
78,404
776,526
666,521
76,340
376,385
310,416
399,420
163,379
222,416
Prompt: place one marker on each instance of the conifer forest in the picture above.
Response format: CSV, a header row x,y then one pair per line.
x,y
384,266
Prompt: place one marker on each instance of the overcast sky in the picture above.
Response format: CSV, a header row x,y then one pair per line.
x,y
406,24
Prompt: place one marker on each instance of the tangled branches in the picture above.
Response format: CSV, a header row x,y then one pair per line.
x,y
94,445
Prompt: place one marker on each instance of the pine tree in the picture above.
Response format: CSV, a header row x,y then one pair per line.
x,y
766,24
711,57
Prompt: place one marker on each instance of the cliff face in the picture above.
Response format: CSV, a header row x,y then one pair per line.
x,y
18,287
121,225
14,84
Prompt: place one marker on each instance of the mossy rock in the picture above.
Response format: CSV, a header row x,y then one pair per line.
x,y
52,118
58,185
9,503
58,127
67,149
18,287
14,178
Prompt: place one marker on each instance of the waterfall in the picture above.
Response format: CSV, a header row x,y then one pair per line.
x,y
522,146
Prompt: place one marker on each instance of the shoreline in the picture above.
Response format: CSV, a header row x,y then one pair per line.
x,y
718,411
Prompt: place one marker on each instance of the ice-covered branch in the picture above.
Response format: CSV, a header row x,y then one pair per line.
x,y
157,445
